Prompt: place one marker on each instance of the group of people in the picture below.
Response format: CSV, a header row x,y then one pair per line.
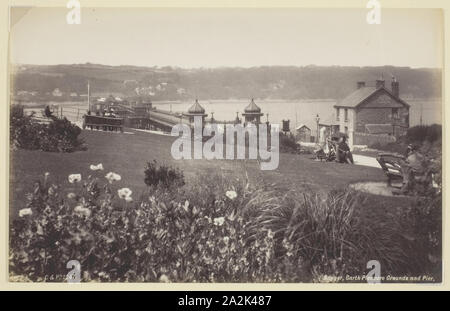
x,y
107,112
412,166
335,149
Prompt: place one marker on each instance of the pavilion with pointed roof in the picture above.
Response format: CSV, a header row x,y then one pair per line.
x,y
252,113
195,110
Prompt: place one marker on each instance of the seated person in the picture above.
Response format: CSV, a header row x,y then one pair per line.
x,y
343,155
332,146
321,151
48,113
412,166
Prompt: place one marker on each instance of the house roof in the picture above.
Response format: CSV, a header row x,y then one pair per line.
x,y
362,94
379,128
302,125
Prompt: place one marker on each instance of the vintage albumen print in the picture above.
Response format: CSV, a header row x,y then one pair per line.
x,y
225,145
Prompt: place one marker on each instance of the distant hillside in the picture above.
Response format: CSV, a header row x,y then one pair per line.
x,y
167,83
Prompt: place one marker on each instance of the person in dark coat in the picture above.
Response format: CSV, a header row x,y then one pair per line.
x,y
343,155
48,113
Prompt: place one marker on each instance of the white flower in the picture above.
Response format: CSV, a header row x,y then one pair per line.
x,y
129,199
39,230
124,193
219,221
98,167
51,191
226,240
74,178
46,175
163,278
112,177
25,212
186,205
71,195
195,210
79,209
231,194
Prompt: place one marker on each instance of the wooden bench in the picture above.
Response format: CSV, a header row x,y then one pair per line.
x,y
392,167
391,163
105,123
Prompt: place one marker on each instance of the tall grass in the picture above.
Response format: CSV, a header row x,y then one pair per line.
x,y
339,232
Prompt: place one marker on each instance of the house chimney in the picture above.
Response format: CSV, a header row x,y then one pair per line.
x,y
395,87
380,83
360,84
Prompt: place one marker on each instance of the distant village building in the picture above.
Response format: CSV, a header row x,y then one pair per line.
x,y
252,113
181,91
372,110
25,95
303,133
57,93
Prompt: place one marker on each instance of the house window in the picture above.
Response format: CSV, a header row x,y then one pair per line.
x,y
346,114
337,114
395,114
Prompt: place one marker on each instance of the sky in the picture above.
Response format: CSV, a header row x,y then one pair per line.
x,y
192,38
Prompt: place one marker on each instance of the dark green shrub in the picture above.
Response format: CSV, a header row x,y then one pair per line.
x,y
419,135
422,133
424,218
59,135
24,132
288,144
163,175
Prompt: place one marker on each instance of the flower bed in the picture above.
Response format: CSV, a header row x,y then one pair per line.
x,y
214,229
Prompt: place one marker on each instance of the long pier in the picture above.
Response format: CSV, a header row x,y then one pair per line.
x,y
154,119
165,120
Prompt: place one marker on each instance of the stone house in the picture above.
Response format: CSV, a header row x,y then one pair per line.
x,y
372,110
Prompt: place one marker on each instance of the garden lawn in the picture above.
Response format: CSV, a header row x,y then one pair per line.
x,y
127,154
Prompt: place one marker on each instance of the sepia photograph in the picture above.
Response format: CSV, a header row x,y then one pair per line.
x,y
225,145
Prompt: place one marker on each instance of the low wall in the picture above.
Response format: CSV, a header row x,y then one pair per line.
x,y
370,139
